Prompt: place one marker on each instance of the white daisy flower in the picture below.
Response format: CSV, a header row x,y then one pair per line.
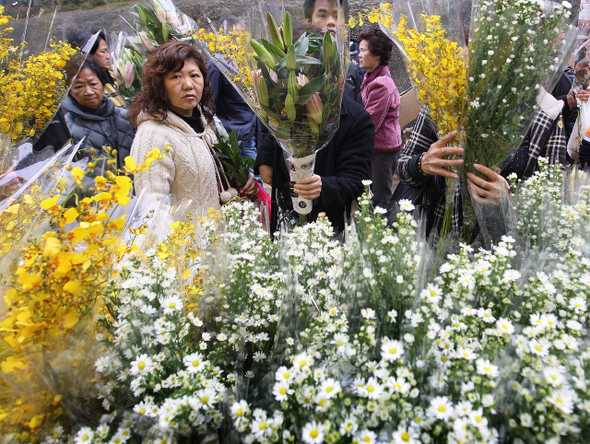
x,y
391,350
142,365
195,362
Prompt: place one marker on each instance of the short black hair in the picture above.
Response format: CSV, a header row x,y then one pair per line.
x,y
309,7
92,64
379,44
78,37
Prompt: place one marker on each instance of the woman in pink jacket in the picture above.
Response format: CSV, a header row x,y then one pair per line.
x,y
381,99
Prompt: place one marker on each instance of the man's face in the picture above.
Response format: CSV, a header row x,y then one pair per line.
x,y
325,15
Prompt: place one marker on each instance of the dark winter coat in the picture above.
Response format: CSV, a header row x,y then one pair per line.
x,y
106,126
343,164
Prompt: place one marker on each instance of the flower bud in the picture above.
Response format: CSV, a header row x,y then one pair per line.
x,y
315,108
290,108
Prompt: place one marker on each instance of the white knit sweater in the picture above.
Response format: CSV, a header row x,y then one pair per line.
x,y
185,179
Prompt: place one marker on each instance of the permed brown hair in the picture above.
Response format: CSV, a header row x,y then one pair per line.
x,y
378,42
153,100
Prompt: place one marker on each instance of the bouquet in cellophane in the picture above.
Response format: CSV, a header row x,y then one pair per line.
x,y
152,23
431,39
516,52
32,90
297,78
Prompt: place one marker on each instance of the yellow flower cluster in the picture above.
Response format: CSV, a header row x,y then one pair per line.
x,y
19,217
31,90
435,63
437,68
48,328
233,46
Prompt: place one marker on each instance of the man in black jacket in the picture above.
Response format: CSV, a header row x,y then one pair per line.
x,y
339,170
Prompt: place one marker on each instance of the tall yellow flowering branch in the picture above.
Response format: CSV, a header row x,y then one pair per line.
x,y
31,90
47,332
437,69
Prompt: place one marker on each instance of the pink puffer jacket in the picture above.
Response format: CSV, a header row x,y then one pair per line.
x,y
381,100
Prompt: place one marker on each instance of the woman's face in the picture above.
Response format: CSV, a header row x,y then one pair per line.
x,y
87,89
185,88
102,54
367,60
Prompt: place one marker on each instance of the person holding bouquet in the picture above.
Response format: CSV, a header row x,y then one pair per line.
x,y
426,157
174,112
381,99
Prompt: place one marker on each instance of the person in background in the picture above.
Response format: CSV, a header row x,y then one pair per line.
x,y
381,99
92,116
231,109
323,14
563,91
175,109
100,50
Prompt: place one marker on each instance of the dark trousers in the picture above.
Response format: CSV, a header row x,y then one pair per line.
x,y
384,165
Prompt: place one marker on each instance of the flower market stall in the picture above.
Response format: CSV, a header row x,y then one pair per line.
x,y
217,334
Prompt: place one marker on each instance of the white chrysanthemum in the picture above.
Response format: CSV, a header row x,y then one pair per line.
x,y
464,352
239,410
171,304
302,361
485,367
406,205
195,362
554,376
391,349
510,275
441,408
563,399
368,313
486,315
539,348
365,437
84,435
405,435
505,326
281,391
313,433
329,388
367,182
142,365
578,304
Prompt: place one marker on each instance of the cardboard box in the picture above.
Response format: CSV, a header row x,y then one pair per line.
x,y
409,107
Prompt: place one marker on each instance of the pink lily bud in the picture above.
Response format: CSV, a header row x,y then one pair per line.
x,y
315,108
146,42
128,75
301,80
273,76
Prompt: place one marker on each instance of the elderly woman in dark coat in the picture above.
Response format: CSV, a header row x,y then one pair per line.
x,y
93,116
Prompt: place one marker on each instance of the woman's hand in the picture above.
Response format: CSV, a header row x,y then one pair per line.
x,y
11,183
434,161
485,192
583,95
265,173
250,187
309,187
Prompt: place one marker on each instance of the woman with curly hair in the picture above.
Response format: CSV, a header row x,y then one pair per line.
x,y
175,109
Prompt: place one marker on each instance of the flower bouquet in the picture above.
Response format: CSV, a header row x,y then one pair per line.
x,y
515,53
152,23
296,89
32,90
